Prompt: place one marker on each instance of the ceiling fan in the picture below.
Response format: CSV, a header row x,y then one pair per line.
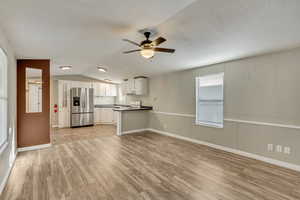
x,y
148,47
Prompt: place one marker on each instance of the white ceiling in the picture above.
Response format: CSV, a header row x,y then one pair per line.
x,y
88,33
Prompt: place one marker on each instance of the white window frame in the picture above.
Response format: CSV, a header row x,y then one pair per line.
x,y
4,144
197,80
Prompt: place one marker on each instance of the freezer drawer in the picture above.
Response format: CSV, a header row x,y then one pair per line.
x,y
82,119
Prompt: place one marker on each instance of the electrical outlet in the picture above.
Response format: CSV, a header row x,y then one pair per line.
x,y
279,148
270,147
287,150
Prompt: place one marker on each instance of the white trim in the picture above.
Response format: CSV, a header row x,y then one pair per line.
x,y
3,147
5,179
55,126
134,131
235,151
209,80
263,123
31,148
213,125
173,114
233,120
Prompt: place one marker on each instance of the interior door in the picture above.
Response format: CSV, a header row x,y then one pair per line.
x,y
33,102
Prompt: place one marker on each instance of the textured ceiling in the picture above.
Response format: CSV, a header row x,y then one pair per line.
x,y
88,33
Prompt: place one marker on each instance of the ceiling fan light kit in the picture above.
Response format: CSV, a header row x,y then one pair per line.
x,y
147,53
148,47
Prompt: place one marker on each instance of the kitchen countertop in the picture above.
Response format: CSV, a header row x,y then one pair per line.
x,y
123,108
109,105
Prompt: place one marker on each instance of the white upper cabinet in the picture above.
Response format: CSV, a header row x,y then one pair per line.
x,y
96,87
136,86
111,90
104,89
131,86
124,87
141,86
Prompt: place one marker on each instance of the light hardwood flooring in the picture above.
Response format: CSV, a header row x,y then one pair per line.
x,y
93,164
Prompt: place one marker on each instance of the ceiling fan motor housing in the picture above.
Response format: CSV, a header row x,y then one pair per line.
x,y
146,43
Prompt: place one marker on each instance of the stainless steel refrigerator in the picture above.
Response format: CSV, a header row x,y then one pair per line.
x,y
82,107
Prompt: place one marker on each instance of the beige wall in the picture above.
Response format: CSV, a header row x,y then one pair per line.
x,y
7,156
134,120
263,89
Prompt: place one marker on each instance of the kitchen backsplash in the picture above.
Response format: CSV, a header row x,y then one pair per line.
x,y
104,100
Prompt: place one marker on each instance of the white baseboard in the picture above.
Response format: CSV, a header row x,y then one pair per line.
x,y
134,131
235,151
5,179
31,148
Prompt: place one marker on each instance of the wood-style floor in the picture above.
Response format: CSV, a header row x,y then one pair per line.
x,y
93,163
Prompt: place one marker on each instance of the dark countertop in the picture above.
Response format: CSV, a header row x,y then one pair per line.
x,y
109,105
132,108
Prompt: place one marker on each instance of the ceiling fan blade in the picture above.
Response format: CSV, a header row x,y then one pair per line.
x,y
164,50
132,51
131,42
158,41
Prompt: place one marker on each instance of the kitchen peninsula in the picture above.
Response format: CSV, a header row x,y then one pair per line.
x,y
131,119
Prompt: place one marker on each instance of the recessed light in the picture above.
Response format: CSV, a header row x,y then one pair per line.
x,y
65,67
102,69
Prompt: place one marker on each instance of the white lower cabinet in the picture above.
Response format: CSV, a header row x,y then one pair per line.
x,y
104,116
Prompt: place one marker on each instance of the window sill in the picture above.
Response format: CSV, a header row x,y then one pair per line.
x,y
212,125
3,147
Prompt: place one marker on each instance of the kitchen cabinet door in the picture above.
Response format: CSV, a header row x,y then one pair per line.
x,y
106,115
97,115
102,89
110,115
131,86
107,90
113,89
96,87
124,87
141,86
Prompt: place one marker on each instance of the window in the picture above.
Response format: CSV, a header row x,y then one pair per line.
x,y
209,100
3,98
